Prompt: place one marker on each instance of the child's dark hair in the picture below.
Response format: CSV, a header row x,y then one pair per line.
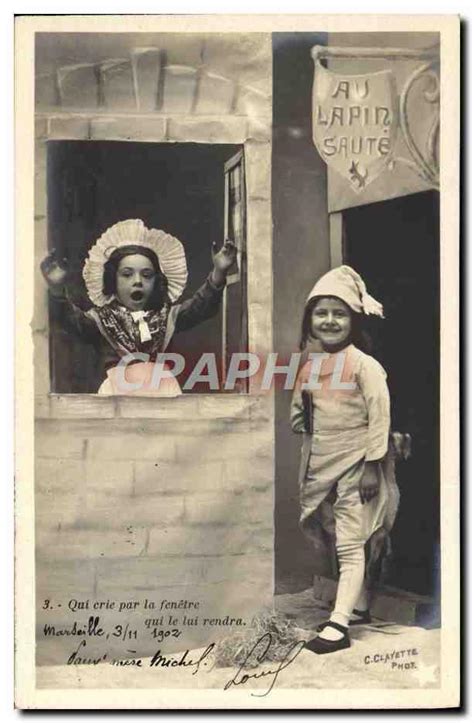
x,y
159,294
359,337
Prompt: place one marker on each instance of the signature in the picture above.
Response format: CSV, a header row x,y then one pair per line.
x,y
266,640
159,660
183,662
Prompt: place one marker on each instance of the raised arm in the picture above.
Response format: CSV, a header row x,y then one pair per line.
x,y
206,301
70,317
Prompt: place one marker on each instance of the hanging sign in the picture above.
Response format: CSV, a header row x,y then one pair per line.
x,y
354,122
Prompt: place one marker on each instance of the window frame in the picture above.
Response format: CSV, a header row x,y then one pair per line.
x,y
257,159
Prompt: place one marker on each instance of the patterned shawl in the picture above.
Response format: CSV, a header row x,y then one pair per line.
x,y
116,324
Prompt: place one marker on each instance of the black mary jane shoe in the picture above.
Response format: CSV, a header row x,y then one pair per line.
x,y
320,646
363,617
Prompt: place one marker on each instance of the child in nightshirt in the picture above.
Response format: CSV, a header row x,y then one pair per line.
x,y
341,405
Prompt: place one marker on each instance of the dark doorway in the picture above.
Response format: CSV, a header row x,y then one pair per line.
x,y
394,245
176,187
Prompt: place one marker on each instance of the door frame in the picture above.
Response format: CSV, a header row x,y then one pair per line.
x,y
336,239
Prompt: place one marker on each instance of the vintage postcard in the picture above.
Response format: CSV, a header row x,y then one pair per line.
x,y
237,396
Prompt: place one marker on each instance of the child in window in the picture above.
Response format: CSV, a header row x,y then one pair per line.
x,y
347,485
134,277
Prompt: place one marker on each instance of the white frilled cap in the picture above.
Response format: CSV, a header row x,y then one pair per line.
x,y
346,284
133,232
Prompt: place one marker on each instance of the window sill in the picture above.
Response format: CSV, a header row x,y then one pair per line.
x,y
186,407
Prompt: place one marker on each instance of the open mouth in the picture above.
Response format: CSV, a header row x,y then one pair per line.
x,y
136,295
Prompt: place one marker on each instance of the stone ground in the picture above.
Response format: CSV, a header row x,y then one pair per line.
x,y
351,668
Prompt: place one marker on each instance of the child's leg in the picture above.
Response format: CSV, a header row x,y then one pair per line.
x,y
350,547
351,578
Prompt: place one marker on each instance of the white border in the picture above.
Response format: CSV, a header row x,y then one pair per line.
x,y
449,209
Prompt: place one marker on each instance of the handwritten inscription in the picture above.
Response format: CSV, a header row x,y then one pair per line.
x,y
124,634
124,625
260,649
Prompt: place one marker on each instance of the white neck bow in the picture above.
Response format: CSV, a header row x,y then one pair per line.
x,y
143,328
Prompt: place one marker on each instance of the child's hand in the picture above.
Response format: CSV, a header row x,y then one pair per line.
x,y
370,483
223,260
54,270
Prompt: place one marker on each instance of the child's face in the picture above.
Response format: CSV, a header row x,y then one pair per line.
x,y
331,322
135,281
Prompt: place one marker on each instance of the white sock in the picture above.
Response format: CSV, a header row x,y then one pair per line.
x,y
330,633
351,578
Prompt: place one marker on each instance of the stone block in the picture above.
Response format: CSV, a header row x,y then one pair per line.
x,y
40,320
62,580
215,94
78,86
82,406
40,198
259,230
41,240
210,509
68,129
46,91
255,474
259,245
260,129
179,89
147,576
233,540
404,608
116,78
146,65
207,130
41,246
169,478
41,154
176,408
128,129
112,512
111,477
225,509
226,406
253,103
55,509
262,410
258,170
218,447
181,48
251,568
41,362
59,475
87,544
246,57
259,326
41,406
41,129
51,443
134,445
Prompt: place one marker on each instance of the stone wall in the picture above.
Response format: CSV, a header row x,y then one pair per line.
x,y
165,498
